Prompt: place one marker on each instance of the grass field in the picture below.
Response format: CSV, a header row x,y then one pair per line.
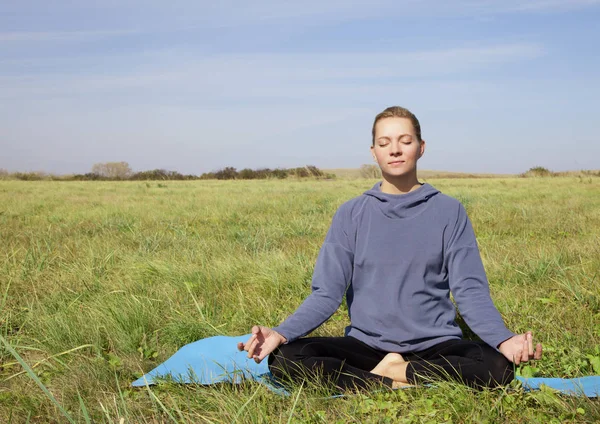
x,y
100,281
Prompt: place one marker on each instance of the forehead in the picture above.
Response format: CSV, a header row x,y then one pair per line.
x,y
393,127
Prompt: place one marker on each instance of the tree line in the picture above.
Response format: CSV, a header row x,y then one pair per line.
x,y
121,171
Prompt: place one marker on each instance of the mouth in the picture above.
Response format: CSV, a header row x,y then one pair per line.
x,y
397,162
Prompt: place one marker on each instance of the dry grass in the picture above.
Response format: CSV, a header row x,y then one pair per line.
x,y
100,281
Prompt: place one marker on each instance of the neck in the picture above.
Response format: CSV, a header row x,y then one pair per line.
x,y
400,185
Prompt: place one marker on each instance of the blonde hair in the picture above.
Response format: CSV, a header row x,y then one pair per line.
x,y
398,112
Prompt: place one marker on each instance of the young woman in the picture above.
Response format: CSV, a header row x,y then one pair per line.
x,y
397,252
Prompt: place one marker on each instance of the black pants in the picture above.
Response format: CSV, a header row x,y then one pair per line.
x,y
346,362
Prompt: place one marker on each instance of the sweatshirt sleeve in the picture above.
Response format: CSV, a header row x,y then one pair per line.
x,y
469,284
331,277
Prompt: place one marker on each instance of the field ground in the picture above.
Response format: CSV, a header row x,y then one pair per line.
x,y
100,281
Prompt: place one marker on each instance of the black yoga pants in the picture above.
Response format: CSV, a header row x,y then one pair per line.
x,y
345,362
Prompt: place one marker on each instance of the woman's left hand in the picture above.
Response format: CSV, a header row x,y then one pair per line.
x,y
519,348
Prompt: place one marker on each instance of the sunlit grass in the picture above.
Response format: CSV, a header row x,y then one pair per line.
x,y
100,281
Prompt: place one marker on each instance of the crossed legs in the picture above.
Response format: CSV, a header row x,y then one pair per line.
x,y
351,364
343,361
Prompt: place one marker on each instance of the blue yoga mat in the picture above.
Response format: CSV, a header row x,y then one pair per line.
x,y
217,360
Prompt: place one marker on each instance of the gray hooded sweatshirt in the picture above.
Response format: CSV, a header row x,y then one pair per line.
x,y
397,257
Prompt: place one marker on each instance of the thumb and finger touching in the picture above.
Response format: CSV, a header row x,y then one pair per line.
x,y
261,343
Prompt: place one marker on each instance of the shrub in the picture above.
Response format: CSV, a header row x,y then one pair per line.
x,y
370,171
117,173
538,171
113,170
30,176
208,176
161,174
228,173
263,173
279,173
314,171
90,176
247,174
299,172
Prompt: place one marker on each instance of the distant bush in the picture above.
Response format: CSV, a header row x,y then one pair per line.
x,y
247,174
30,176
299,172
121,172
279,173
113,170
580,174
314,171
538,171
228,173
370,171
263,173
160,174
90,176
590,173
309,171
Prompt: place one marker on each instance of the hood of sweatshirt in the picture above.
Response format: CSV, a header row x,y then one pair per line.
x,y
401,205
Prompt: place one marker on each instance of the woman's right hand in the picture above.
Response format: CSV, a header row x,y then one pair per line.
x,y
263,341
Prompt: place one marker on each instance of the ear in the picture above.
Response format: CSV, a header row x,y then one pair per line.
x,y
421,148
373,153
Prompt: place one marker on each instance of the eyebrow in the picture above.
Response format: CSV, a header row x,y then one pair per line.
x,y
385,137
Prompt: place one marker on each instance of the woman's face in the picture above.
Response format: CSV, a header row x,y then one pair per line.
x,y
396,149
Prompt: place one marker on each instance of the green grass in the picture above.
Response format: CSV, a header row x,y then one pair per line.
x,y
100,281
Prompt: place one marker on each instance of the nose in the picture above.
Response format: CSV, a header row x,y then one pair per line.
x,y
395,148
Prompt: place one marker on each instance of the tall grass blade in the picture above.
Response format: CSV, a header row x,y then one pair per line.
x,y
295,403
84,411
35,378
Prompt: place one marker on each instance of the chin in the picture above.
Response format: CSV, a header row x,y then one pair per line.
x,y
397,174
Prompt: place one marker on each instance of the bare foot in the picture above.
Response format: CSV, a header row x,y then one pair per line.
x,y
392,366
399,384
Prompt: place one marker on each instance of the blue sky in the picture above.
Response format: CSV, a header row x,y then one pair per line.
x,y
194,86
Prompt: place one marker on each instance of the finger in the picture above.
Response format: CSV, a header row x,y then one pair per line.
x,y
530,344
517,358
249,342
261,354
259,357
525,351
252,346
255,330
538,351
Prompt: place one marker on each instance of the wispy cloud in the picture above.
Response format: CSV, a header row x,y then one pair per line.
x,y
41,36
152,16
552,5
231,12
239,76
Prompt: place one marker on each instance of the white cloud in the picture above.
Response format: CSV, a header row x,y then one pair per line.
x,y
552,5
144,16
286,76
42,36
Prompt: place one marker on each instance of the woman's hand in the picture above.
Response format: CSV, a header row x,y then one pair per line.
x,y
262,342
519,348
